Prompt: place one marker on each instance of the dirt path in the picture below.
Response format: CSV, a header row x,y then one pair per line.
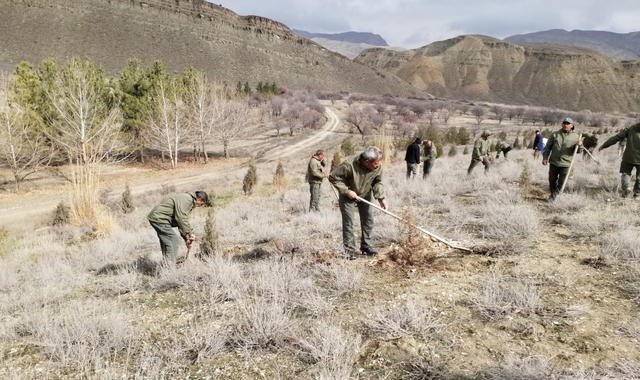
x,y
21,212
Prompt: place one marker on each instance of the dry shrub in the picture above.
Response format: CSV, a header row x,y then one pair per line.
x,y
83,333
500,295
332,350
262,323
621,245
407,320
421,369
278,177
339,278
204,340
411,244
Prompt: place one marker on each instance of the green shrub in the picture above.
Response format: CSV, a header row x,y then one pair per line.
x,y
127,200
453,150
62,214
250,179
347,147
335,162
466,150
525,176
278,177
210,241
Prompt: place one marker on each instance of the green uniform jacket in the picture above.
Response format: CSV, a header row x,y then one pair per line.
x,y
559,148
430,153
502,146
351,175
315,171
589,141
174,210
481,146
631,154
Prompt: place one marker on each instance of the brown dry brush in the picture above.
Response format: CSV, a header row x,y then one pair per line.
x,y
411,244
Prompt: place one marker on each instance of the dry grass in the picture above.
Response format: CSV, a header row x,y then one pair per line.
x,y
500,294
404,320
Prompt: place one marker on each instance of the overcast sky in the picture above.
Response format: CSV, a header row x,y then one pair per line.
x,y
414,23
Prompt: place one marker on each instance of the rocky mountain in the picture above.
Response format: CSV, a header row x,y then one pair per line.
x,y
348,49
615,45
181,33
352,37
485,68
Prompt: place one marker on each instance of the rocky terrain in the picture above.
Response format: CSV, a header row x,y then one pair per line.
x,y
488,69
181,34
615,45
352,37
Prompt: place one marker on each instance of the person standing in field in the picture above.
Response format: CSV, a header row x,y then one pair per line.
x,y
558,153
413,158
359,177
315,175
430,155
173,211
480,153
538,145
630,158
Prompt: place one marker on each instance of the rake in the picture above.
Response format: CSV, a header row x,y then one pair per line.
x,y
573,159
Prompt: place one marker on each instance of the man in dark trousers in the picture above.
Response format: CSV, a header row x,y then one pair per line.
x,y
315,175
630,158
430,155
173,211
558,153
538,145
413,158
359,177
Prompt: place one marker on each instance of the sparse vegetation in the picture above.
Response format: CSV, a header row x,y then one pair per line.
x,y
250,180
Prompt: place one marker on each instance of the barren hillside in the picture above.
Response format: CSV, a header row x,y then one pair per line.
x,y
485,68
181,34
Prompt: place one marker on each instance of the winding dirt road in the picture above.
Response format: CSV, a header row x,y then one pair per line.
x,y
22,212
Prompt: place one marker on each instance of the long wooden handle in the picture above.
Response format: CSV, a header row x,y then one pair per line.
x,y
438,238
591,155
573,158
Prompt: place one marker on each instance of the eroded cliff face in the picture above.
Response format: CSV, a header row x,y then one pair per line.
x,y
181,33
484,68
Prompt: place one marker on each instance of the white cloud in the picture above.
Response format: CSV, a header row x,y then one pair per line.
x,y
414,23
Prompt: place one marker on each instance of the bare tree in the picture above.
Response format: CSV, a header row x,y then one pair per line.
x,y
22,148
168,120
356,118
448,109
204,101
500,112
478,112
519,112
432,111
614,121
235,123
533,115
550,116
277,104
85,122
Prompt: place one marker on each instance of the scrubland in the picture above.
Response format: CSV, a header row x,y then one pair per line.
x,y
555,297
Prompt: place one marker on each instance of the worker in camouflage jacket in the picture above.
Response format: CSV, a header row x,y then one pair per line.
x,y
480,152
173,211
589,144
630,158
502,147
558,153
315,174
359,177
430,155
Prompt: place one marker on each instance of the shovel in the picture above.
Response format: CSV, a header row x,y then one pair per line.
x,y
573,159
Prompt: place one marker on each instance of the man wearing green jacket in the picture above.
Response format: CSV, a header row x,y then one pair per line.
x,y
315,175
359,177
630,158
502,147
430,155
558,153
173,211
480,152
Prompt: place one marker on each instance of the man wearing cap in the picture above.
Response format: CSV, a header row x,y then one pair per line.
x,y
173,211
480,152
630,158
413,158
558,153
430,155
315,175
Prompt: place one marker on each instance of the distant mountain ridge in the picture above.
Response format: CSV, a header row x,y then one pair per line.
x,y
182,34
488,69
616,45
353,37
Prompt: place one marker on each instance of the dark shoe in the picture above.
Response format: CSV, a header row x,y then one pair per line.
x,y
369,251
626,193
